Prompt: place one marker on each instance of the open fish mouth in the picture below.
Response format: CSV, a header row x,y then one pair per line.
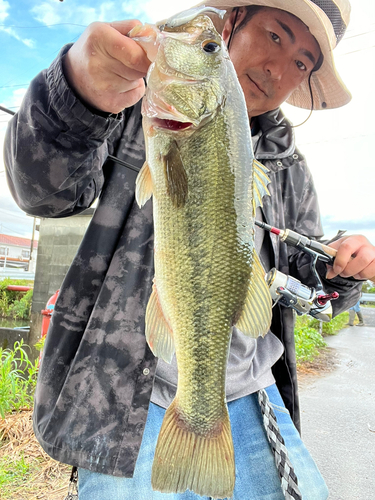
x,y
173,125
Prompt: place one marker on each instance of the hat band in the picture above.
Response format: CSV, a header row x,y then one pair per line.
x,y
334,15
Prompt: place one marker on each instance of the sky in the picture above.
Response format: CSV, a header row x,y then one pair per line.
x,y
336,143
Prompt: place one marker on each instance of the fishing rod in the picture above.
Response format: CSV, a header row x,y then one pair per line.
x,y
289,291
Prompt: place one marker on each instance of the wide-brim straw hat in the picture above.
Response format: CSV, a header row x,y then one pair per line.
x,y
327,21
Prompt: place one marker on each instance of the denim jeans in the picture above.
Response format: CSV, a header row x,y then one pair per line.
x,y
256,474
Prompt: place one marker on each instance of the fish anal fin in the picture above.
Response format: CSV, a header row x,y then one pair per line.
x,y
143,185
260,183
159,334
255,319
177,181
185,460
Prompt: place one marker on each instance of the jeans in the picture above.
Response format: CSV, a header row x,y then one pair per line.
x,y
256,474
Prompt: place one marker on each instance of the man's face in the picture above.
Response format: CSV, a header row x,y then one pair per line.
x,y
272,54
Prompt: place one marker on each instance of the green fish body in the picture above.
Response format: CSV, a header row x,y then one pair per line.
x,y
205,185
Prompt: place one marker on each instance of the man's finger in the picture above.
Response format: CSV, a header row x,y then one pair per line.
x,y
124,26
128,52
345,250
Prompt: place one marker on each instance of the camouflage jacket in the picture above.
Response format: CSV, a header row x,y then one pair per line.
x,y
96,376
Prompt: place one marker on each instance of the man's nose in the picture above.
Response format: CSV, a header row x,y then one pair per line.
x,y
275,68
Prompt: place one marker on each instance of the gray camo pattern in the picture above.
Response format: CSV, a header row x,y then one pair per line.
x,y
96,376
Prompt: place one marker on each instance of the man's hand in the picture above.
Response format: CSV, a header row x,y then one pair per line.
x,y
105,68
355,257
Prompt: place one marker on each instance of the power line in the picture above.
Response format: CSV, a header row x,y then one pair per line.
x,y
12,86
12,215
354,51
11,230
359,34
45,26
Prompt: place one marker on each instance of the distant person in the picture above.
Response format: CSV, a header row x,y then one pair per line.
x,y
356,310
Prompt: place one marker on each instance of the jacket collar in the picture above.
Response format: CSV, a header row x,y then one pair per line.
x,y
273,136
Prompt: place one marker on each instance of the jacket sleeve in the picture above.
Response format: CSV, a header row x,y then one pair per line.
x,y
308,223
55,148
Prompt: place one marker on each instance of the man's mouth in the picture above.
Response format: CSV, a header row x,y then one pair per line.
x,y
258,86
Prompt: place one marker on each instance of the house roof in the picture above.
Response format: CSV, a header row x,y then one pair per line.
x,y
6,239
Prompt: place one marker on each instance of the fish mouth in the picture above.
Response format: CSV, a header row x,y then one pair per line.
x,y
165,116
172,125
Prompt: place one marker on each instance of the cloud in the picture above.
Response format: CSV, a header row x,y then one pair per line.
x,y
75,13
157,10
26,41
47,13
152,10
4,6
17,96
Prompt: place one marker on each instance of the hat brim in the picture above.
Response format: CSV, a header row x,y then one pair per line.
x,y
328,89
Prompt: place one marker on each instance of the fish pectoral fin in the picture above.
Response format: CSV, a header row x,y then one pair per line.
x,y
261,181
159,334
255,319
202,463
143,185
175,174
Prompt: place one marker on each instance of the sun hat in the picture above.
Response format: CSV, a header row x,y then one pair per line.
x,y
327,21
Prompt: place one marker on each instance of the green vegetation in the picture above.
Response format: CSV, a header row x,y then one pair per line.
x,y
17,379
15,304
308,339
368,287
13,472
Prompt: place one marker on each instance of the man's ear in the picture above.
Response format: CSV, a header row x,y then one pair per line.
x,y
227,30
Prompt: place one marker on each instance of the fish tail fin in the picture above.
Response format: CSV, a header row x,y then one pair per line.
x,y
185,460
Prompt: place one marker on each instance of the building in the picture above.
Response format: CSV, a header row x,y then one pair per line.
x,y
15,251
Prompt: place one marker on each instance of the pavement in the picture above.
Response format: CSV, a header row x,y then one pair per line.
x,y
338,413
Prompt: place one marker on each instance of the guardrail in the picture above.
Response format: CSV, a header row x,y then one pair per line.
x,y
16,274
368,297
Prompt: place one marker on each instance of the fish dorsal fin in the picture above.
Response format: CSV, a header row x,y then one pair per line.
x,y
177,182
159,334
255,319
260,183
143,185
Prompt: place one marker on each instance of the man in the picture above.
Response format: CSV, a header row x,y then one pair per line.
x,y
96,378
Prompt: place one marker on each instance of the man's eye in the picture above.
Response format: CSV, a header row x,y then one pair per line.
x,y
301,66
275,37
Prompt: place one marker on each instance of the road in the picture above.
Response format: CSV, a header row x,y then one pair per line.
x,y
338,413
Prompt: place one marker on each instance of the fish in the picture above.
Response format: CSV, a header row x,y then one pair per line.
x,y
205,186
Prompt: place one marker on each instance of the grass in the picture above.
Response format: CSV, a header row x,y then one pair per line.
x,y
15,304
17,379
13,472
26,471
309,341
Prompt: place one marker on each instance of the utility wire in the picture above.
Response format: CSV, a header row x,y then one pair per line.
x,y
45,26
12,86
12,230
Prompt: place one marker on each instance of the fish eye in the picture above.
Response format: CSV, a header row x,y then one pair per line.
x,y
210,46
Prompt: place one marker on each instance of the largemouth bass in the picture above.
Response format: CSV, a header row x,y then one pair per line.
x,y
205,183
